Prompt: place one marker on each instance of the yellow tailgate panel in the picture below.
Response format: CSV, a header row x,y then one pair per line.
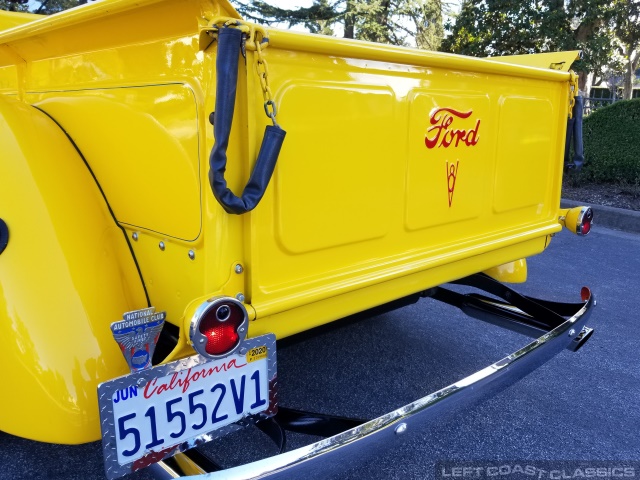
x,y
522,176
336,175
448,176
389,169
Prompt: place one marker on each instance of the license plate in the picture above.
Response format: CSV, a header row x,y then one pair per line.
x,y
153,414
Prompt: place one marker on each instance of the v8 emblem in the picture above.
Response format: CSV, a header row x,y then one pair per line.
x,y
452,174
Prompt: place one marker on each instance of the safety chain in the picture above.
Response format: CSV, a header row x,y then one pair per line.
x,y
262,69
255,38
573,91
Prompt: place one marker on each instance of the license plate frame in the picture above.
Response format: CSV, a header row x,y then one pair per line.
x,y
181,369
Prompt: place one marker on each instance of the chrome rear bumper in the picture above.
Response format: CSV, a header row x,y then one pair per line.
x,y
351,447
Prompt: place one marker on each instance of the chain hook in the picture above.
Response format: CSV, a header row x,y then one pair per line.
x,y
271,114
262,69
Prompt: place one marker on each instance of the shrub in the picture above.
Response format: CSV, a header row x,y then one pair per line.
x,y
612,144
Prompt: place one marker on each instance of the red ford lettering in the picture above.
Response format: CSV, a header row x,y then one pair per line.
x,y
442,134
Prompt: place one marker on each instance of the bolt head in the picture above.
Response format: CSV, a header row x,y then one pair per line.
x,y
238,269
134,235
400,429
161,246
141,382
572,332
192,254
240,297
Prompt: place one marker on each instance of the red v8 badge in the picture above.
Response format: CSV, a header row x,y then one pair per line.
x,y
452,174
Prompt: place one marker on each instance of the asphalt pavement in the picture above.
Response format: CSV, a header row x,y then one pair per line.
x,y
579,406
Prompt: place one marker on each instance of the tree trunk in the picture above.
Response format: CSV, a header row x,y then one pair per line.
x,y
627,83
635,63
629,73
382,18
349,21
584,82
585,87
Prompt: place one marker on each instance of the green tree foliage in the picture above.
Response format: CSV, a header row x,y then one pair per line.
x,y
14,6
54,6
398,22
509,27
611,138
44,6
627,31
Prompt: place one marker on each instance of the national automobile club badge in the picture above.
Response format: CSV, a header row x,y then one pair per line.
x,y
137,334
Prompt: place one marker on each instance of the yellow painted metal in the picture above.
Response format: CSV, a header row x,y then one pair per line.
x,y
554,60
512,272
401,170
310,315
358,197
66,274
188,466
14,19
157,185
568,217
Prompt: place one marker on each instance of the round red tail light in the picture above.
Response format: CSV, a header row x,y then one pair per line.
x,y
585,294
218,327
585,220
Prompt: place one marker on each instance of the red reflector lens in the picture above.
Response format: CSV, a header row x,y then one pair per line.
x,y
585,293
220,338
220,327
586,228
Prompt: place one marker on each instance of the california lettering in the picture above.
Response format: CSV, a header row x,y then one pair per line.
x,y
444,131
183,382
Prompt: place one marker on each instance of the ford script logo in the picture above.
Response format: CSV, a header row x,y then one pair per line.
x,y
444,131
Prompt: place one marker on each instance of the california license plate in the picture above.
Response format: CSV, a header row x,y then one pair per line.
x,y
153,414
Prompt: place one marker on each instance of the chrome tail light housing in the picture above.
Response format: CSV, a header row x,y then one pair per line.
x,y
218,327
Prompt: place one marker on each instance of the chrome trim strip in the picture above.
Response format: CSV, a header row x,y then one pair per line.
x,y
334,454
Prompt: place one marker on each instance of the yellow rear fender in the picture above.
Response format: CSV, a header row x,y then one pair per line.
x,y
66,273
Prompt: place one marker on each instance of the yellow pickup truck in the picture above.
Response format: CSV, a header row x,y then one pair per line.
x,y
180,188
